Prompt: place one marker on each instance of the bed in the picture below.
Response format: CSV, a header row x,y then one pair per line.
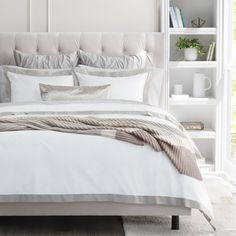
x,y
63,173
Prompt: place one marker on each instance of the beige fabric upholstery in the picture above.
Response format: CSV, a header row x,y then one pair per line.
x,y
73,93
110,44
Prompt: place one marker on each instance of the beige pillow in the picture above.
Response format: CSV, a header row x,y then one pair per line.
x,y
137,61
65,93
36,61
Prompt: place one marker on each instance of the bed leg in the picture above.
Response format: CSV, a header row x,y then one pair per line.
x,y
175,222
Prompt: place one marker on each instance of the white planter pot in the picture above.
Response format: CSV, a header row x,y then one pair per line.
x,y
190,54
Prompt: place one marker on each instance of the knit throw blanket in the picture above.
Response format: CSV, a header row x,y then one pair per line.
x,y
161,137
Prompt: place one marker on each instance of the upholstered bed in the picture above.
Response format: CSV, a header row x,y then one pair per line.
x,y
103,184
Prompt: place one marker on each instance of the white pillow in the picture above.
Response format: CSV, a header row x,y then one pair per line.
x,y
154,90
124,88
25,88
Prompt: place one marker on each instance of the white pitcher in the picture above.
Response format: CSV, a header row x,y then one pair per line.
x,y
199,85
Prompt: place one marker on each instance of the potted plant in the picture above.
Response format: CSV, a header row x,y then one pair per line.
x,y
192,48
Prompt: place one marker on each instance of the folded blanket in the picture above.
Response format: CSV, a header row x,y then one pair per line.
x,y
161,136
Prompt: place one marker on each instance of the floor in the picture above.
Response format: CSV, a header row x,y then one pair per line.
x,y
223,198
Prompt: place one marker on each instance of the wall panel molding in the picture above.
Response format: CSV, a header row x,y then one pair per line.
x,y
39,17
14,15
29,16
103,15
49,12
79,15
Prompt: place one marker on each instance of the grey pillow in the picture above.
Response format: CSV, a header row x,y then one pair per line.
x,y
5,88
35,61
68,93
137,61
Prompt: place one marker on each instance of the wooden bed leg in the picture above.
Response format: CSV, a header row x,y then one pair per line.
x,y
175,222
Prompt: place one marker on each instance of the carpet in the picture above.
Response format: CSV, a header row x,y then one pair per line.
x,y
223,198
61,226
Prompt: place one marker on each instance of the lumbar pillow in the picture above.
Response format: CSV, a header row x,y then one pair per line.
x,y
65,93
124,88
25,88
35,61
137,61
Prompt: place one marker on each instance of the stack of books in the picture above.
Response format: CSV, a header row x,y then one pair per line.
x,y
211,51
177,19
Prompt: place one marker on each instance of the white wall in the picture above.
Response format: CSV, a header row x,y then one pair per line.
x,y
79,15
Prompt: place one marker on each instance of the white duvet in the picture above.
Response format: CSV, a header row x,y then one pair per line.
x,y
53,166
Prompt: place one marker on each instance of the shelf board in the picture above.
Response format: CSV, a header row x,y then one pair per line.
x,y
192,31
202,134
206,168
192,64
192,102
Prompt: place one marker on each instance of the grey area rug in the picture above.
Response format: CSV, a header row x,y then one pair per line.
x,y
61,226
223,198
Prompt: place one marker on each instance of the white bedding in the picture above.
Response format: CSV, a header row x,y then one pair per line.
x,y
39,166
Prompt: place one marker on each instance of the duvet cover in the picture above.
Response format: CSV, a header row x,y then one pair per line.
x,y
148,159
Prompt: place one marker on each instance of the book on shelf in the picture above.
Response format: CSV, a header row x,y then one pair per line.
x,y
177,19
211,51
193,125
173,19
183,18
171,23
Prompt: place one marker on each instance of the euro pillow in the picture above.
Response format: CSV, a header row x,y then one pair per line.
x,y
137,61
25,88
36,61
67,93
154,90
5,88
124,88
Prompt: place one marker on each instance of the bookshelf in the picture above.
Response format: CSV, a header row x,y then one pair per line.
x,y
180,71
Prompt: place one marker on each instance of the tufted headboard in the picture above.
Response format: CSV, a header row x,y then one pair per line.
x,y
113,44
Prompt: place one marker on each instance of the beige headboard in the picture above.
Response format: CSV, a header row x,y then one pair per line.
x,y
100,43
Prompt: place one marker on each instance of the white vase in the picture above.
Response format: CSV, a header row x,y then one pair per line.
x,y
199,85
190,54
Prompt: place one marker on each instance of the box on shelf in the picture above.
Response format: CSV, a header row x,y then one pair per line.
x,y
193,125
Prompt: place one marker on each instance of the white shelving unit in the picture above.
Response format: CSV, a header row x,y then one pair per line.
x,y
207,109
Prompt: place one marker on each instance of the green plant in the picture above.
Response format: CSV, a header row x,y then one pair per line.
x,y
183,43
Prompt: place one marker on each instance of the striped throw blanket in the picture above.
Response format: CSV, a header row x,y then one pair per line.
x,y
161,137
